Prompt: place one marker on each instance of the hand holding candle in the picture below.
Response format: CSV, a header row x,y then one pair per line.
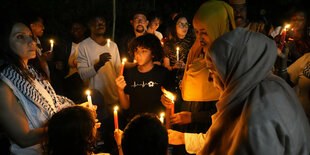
x,y
284,34
122,67
89,99
52,44
115,117
170,96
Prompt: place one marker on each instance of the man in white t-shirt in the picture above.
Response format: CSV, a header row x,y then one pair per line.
x,y
98,61
99,64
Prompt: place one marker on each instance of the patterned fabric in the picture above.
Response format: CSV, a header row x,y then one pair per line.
x,y
30,91
306,70
184,44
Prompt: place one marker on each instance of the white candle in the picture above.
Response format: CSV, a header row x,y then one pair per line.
x,y
178,53
162,117
52,44
108,42
89,99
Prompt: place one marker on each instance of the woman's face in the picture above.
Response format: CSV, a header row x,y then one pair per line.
x,y
21,42
182,26
298,21
202,36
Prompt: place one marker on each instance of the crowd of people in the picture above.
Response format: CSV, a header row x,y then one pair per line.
x,y
240,85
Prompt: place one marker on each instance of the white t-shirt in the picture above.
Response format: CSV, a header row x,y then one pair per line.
x,y
158,35
103,80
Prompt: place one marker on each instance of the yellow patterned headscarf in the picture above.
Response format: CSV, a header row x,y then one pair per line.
x,y
218,18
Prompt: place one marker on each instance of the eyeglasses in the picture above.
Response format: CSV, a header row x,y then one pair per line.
x,y
181,25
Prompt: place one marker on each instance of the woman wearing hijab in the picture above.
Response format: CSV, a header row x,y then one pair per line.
x,y
258,113
213,19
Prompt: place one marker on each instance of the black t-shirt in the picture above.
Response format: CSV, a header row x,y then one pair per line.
x,y
144,89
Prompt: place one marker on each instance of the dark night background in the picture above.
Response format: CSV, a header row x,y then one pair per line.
x,y
58,14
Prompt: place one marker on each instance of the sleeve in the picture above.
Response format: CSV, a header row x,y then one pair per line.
x,y
295,69
194,142
84,69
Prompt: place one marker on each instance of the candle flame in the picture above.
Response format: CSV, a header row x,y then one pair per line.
x,y
124,60
178,48
109,40
286,26
162,114
168,94
115,108
87,92
52,41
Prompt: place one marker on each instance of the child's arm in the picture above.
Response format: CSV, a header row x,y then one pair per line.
x,y
123,97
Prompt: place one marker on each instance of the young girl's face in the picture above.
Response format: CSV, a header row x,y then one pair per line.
x,y
143,56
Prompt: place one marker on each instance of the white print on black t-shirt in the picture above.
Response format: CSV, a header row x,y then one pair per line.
x,y
150,84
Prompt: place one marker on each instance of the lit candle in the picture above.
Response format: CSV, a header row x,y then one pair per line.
x,y
162,117
170,96
284,33
172,106
122,67
178,53
115,117
89,99
52,44
109,42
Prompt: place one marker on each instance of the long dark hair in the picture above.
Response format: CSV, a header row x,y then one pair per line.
x,y
70,131
172,34
9,58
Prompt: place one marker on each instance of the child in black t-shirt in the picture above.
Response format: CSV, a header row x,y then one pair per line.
x,y
139,89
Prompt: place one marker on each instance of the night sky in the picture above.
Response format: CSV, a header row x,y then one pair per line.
x,y
58,14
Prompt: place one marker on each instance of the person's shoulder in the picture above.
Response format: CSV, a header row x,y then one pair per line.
x,y
113,44
306,56
85,42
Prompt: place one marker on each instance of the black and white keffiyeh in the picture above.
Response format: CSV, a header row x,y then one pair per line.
x,y
32,93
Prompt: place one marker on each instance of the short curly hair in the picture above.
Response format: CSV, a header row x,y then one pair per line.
x,y
70,131
148,41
